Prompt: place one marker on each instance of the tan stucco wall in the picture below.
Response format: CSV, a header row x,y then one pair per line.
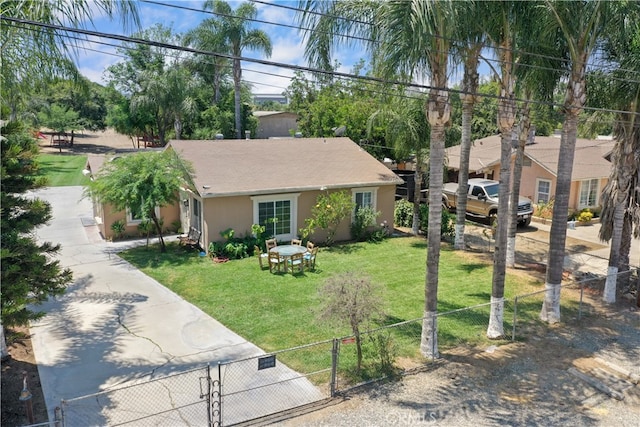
x,y
109,216
222,213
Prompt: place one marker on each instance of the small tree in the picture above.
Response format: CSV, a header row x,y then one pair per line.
x,y
328,212
148,180
351,299
30,274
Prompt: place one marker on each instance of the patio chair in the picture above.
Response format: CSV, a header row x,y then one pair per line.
x,y
296,242
270,244
296,261
310,246
275,261
310,258
262,256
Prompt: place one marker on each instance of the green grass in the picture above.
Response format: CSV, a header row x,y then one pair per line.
x,y
277,311
63,170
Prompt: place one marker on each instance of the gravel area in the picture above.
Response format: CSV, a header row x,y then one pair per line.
x,y
519,384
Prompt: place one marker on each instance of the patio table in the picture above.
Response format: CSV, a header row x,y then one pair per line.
x,y
285,251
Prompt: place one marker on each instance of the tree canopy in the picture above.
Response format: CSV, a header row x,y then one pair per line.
x,y
147,180
29,272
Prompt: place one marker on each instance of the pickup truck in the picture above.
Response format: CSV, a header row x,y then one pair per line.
x,y
482,200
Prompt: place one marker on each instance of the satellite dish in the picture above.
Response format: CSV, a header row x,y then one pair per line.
x,y
339,131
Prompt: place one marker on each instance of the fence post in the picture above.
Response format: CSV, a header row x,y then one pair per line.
x,y
434,336
515,318
580,305
209,403
334,365
219,394
57,414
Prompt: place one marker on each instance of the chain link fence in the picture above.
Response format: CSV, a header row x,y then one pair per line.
x,y
179,399
574,302
244,390
266,384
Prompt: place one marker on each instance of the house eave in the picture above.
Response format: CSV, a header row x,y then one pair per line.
x,y
299,189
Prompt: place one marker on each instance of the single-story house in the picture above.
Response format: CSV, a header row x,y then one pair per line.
x,y
276,124
241,182
105,215
591,167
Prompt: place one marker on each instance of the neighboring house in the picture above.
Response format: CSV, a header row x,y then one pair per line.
x,y
275,124
242,182
591,168
105,216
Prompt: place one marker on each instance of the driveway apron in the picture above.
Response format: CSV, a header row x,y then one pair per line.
x,y
115,324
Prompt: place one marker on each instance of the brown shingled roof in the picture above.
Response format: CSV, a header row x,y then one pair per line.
x,y
589,160
264,166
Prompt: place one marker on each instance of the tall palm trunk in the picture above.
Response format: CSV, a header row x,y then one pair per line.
x,y
438,114
523,135
574,100
417,195
609,294
506,119
237,79
470,87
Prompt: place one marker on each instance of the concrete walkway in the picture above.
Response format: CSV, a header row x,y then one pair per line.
x,y
596,261
116,324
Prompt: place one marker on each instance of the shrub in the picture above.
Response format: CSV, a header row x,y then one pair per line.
x,y
118,228
328,212
585,216
544,210
363,223
403,213
447,227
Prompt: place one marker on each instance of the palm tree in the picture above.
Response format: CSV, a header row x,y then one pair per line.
x,y
621,196
32,54
234,29
415,39
537,77
207,36
407,131
580,25
408,38
470,50
503,32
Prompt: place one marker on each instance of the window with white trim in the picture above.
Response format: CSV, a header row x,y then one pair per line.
x,y
588,193
364,198
278,214
543,190
134,214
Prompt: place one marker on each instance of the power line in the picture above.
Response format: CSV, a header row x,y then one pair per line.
x,y
331,73
368,40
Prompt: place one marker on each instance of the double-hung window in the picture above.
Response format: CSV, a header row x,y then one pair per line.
x,y
135,215
588,193
364,198
543,190
278,214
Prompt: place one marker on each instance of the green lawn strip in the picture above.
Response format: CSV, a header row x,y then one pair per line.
x,y
63,170
278,311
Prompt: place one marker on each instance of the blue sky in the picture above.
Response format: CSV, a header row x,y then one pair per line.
x,y
287,43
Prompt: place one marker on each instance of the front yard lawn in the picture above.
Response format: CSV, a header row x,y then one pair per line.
x,y
62,170
277,311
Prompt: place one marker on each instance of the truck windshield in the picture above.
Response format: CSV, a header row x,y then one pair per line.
x,y
492,190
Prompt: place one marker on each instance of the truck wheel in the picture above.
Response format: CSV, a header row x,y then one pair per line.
x,y
525,223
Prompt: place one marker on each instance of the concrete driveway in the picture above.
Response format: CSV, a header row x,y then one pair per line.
x,y
116,324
